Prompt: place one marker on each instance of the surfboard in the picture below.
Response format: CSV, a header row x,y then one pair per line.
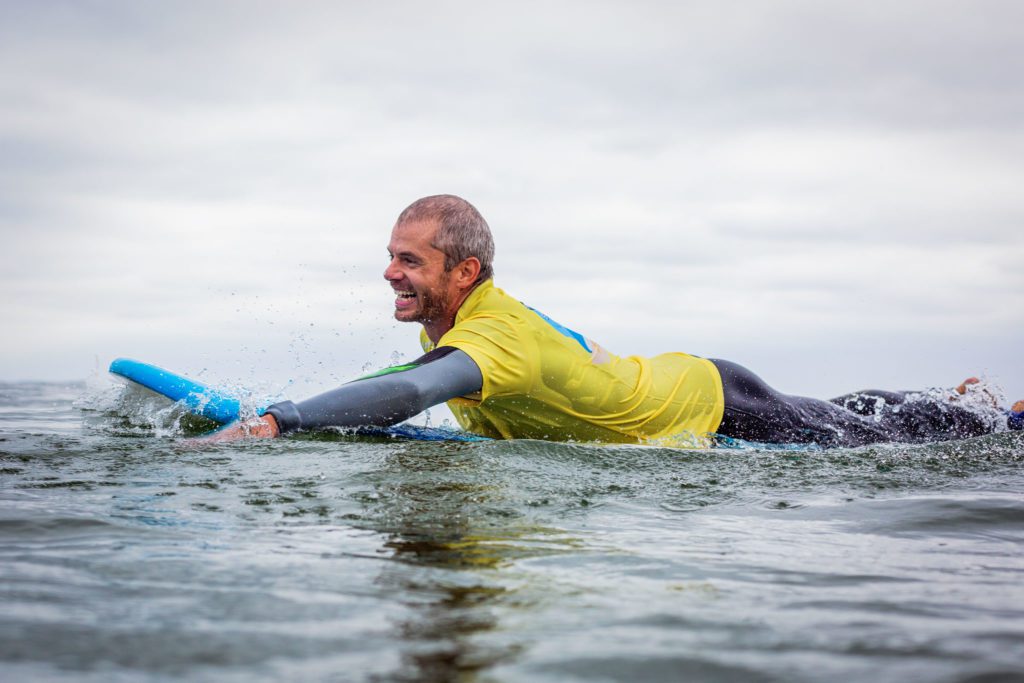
x,y
221,407
194,396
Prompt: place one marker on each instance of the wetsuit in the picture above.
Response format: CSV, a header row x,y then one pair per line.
x,y
508,371
756,412
385,398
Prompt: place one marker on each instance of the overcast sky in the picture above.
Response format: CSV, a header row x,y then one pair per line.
x,y
829,193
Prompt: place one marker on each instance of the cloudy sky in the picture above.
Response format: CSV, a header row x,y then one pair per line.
x,y
829,193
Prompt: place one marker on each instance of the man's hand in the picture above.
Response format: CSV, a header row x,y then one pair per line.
x,y
264,427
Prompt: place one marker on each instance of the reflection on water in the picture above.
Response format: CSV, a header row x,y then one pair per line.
x,y
433,521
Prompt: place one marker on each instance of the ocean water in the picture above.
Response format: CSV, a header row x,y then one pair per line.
x,y
129,554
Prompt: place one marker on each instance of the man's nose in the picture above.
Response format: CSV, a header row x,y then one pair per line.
x,y
390,273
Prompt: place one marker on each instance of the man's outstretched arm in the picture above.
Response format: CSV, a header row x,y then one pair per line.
x,y
380,400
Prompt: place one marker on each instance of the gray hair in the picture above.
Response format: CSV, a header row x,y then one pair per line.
x,y
462,232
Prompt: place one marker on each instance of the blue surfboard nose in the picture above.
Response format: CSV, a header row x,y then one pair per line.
x,y
197,397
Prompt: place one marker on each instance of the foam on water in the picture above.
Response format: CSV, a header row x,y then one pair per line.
x,y
113,403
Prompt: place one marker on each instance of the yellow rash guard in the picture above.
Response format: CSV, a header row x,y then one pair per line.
x,y
544,381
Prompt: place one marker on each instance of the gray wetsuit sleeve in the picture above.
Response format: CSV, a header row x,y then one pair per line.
x,y
385,399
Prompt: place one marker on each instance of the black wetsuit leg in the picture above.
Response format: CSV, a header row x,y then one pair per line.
x,y
756,412
916,416
870,402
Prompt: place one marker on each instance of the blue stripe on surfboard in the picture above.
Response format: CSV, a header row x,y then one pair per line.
x,y
410,431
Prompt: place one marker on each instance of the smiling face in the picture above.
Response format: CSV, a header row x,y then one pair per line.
x,y
425,292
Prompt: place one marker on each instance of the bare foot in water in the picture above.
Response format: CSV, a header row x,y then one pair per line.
x,y
1016,410
977,390
962,389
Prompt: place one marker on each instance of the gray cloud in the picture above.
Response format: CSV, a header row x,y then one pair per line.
x,y
736,177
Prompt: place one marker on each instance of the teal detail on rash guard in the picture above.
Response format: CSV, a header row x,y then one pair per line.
x,y
563,329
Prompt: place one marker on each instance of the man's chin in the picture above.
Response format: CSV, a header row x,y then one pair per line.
x,y
406,316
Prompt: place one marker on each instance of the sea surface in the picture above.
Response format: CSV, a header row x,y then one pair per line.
x,y
129,553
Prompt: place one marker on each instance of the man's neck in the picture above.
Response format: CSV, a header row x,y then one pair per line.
x,y
436,329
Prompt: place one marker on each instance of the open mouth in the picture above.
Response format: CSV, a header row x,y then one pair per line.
x,y
404,298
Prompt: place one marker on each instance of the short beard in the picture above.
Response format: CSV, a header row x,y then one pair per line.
x,y
434,307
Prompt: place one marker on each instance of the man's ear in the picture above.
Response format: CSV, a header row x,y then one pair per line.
x,y
467,272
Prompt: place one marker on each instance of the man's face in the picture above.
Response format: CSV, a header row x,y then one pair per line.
x,y
416,273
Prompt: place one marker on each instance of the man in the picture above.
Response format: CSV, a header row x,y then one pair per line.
x,y
508,371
